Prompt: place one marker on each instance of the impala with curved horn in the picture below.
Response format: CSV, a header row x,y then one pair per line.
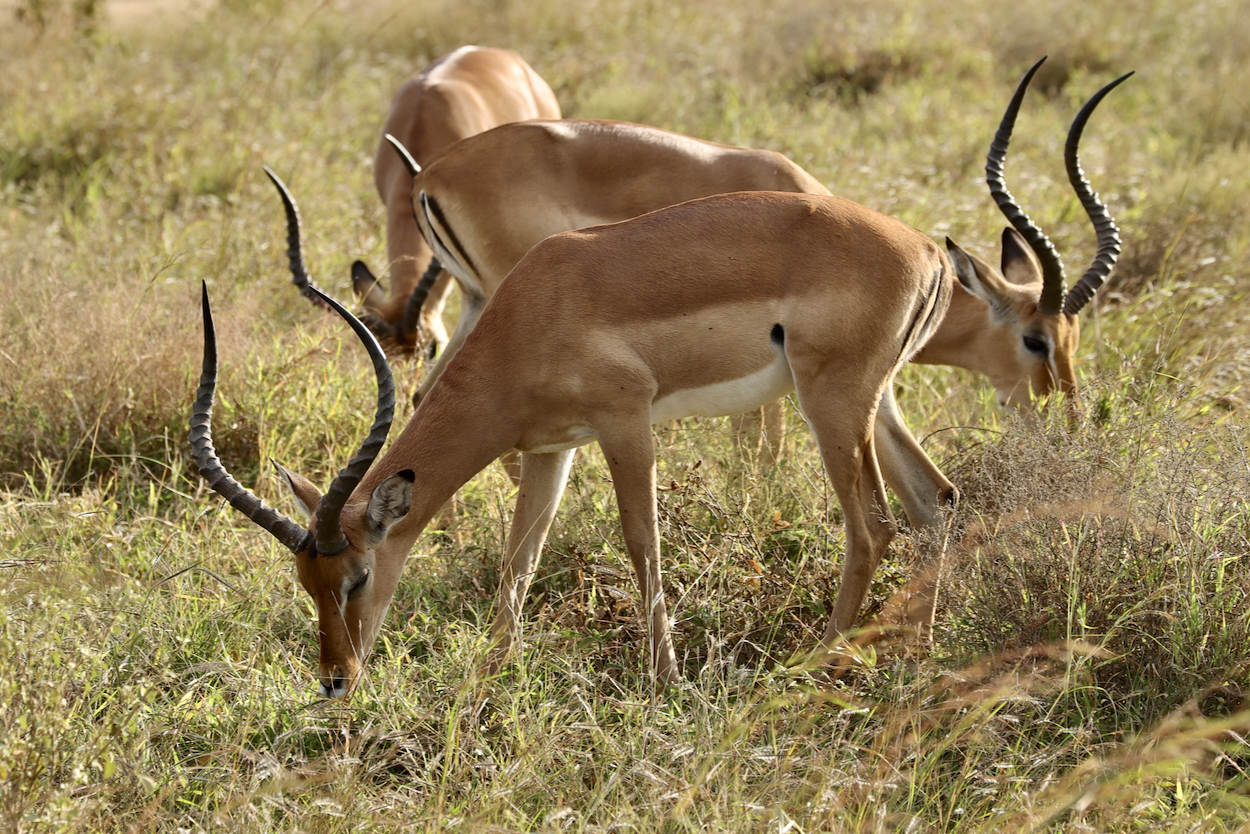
x,y
460,94
765,293
1017,325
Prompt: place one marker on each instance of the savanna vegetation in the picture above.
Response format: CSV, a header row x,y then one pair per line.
x,y
1090,663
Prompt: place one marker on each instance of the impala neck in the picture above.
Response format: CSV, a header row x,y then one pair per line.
x,y
454,434
956,339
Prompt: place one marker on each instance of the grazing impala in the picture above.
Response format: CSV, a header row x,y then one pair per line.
x,y
762,293
465,92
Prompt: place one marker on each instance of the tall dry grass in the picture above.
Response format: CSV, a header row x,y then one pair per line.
x,y
1089,668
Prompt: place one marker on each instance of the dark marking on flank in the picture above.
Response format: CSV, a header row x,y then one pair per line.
x,y
778,335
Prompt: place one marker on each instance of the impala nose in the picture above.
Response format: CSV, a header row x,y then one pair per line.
x,y
334,684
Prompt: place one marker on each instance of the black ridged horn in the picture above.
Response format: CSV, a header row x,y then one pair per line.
x,y
405,157
412,312
330,538
1099,216
1052,266
299,275
291,534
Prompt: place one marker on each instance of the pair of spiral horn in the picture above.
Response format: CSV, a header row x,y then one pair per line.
x,y
1055,298
328,538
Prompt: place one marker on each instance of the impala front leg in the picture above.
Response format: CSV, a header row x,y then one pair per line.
x,y
542,485
869,528
630,453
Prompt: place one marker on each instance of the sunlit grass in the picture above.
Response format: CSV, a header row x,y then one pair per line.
x,y
1089,669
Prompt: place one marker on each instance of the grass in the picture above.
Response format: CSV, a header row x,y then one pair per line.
x,y
1089,671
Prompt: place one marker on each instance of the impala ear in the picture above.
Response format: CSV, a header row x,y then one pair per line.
x,y
390,502
306,496
1020,265
976,276
366,286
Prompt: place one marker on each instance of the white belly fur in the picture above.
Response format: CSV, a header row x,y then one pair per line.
x,y
730,397
571,438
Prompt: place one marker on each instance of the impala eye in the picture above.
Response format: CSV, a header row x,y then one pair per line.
x,y
359,584
1035,345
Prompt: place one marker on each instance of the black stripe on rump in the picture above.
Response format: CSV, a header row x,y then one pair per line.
x,y
452,242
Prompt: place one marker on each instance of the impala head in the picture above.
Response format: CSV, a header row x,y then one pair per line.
x,y
336,552
351,588
1027,354
1033,331
366,286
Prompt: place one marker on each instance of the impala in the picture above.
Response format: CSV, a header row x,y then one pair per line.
x,y
762,293
465,92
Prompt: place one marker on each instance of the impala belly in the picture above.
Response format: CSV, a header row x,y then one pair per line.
x,y
733,396
567,437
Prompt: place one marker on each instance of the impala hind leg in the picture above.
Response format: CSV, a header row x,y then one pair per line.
x,y
431,320
541,487
630,453
929,500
